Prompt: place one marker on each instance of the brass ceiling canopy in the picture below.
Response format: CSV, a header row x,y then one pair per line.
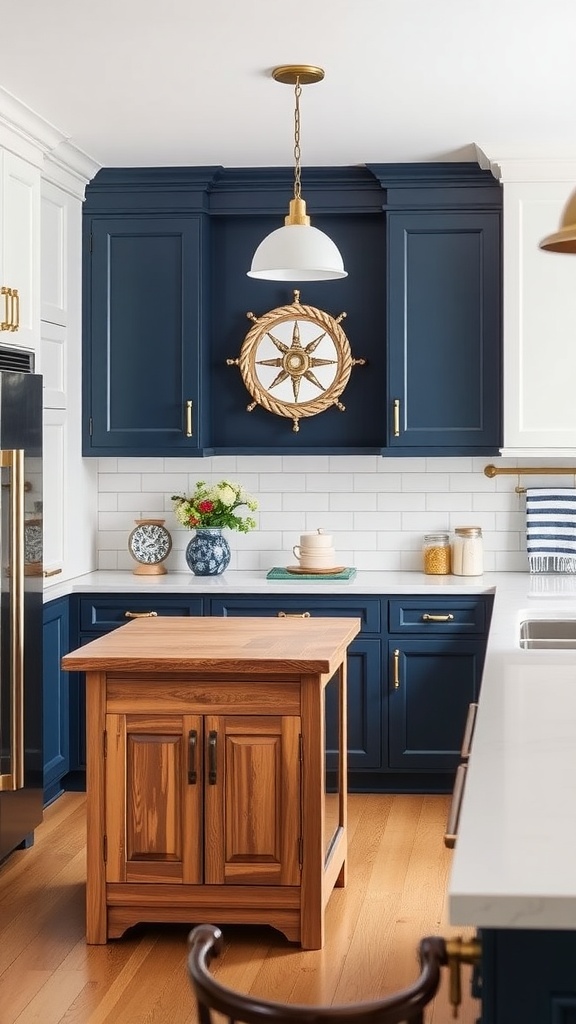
x,y
290,74
563,240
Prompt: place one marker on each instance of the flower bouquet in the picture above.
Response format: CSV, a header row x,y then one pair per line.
x,y
215,506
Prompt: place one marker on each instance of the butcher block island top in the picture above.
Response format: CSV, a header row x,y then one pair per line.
x,y
207,795
223,645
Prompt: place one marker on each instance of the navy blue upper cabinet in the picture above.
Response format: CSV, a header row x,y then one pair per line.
x,y
444,334
144,328
166,298
145,255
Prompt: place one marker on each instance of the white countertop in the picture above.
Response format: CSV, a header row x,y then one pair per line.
x,y
515,858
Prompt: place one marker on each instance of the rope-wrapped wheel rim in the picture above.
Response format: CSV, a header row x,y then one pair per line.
x,y
248,360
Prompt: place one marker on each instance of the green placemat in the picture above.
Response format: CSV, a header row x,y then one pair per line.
x,y
280,573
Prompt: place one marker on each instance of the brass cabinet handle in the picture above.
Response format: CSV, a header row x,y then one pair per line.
x,y
5,325
51,572
451,833
396,417
13,778
189,418
437,618
192,747
293,615
396,678
212,757
140,615
15,323
469,731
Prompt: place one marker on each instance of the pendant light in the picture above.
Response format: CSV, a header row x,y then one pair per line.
x,y
563,240
297,252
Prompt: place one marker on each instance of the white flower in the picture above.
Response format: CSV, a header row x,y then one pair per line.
x,y
225,493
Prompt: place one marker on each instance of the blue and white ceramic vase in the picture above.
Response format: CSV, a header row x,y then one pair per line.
x,y
208,553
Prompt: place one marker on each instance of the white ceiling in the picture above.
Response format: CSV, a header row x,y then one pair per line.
x,y
180,82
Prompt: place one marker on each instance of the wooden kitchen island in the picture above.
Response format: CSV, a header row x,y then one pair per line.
x,y
206,774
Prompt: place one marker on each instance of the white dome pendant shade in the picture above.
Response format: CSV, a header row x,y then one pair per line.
x,y
297,252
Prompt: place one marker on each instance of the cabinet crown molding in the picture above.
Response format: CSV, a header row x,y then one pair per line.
x,y
33,138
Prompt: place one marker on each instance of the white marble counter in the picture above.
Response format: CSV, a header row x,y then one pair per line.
x,y
515,859
255,582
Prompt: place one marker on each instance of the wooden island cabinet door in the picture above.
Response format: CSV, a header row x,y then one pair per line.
x,y
154,798
252,786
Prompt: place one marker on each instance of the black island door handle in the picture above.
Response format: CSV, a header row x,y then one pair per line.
x,y
212,758
192,748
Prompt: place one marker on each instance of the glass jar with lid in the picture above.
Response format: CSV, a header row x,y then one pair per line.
x,y
436,553
467,551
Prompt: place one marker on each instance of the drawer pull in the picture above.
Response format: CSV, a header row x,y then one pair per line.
x,y
437,618
212,757
396,678
192,747
451,833
51,572
469,731
293,615
140,615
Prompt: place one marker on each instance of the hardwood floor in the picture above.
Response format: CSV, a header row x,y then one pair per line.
x,y
398,869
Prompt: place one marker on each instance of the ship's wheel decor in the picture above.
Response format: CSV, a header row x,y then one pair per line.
x,y
295,361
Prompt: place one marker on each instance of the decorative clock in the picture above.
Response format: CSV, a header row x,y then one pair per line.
x,y
149,544
295,361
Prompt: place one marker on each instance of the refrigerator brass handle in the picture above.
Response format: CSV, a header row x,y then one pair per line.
x,y
5,325
396,408
293,615
13,459
192,748
396,677
15,323
451,833
469,731
189,418
140,615
427,617
212,757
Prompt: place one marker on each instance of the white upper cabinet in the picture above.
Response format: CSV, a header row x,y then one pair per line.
x,y
54,246
539,312
19,252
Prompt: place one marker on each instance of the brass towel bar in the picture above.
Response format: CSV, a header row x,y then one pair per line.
x,y
529,471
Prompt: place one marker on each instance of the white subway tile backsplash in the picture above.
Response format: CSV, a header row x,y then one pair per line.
x,y
378,509
352,501
448,502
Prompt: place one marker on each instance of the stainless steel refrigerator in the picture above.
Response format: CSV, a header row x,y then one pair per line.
x,y
21,761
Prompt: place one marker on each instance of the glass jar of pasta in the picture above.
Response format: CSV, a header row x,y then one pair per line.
x,y
436,554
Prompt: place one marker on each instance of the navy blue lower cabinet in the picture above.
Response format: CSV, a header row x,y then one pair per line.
x,y
528,976
444,332
431,683
56,698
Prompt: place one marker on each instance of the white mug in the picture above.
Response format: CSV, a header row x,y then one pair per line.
x,y
317,541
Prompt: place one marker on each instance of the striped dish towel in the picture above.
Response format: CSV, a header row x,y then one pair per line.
x,y
551,529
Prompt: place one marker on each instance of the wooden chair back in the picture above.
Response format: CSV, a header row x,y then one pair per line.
x,y
403,1007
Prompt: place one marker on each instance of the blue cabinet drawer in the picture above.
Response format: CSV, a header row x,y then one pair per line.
x,y
367,610
104,613
431,616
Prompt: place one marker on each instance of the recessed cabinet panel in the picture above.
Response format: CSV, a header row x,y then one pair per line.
x,y
444,330
432,682
144,324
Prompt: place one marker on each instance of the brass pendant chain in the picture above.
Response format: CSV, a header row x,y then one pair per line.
x,y
297,178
